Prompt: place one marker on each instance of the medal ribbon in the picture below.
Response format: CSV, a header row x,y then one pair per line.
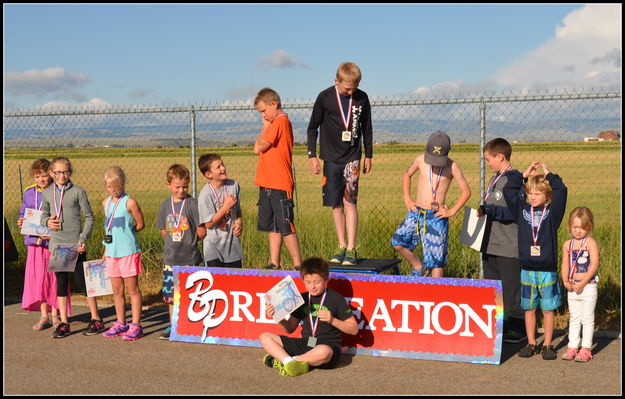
x,y
313,326
494,180
217,196
435,189
574,261
111,215
59,210
38,207
173,210
535,235
349,108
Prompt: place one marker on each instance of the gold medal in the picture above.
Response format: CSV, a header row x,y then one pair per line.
x,y
535,250
434,206
346,135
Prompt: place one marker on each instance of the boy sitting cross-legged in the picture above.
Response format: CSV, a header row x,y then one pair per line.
x,y
325,313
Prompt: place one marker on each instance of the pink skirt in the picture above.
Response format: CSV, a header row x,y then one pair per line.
x,y
39,284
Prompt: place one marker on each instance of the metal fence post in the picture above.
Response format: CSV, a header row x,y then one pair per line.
x,y
482,172
193,165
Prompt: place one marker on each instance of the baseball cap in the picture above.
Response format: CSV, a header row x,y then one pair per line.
x,y
437,148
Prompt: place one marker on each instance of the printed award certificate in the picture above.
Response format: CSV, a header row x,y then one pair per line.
x,y
63,258
285,297
97,281
475,230
31,224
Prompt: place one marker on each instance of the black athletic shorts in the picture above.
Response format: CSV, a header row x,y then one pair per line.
x,y
299,346
275,211
340,182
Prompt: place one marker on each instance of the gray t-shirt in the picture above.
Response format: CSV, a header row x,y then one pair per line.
x,y
503,233
184,252
74,202
220,244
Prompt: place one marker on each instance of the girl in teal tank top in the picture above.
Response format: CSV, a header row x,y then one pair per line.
x,y
122,220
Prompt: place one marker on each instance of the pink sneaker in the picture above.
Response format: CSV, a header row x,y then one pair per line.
x,y
570,354
584,355
134,332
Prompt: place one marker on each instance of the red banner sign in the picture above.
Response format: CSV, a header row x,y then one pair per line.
x,y
399,316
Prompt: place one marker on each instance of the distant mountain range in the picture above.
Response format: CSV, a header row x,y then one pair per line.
x,y
29,132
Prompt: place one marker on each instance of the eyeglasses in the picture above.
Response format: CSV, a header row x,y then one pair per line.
x,y
62,172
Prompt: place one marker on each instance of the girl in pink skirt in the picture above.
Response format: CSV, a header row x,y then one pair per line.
x,y
39,284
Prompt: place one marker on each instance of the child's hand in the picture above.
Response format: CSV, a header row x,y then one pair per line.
x,y
443,212
230,201
237,228
54,223
568,285
325,316
45,238
411,205
20,221
545,168
82,247
531,170
314,165
578,288
270,310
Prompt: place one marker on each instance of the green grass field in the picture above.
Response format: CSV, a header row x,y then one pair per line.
x,y
591,171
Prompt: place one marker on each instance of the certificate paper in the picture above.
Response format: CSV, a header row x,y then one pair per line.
x,y
475,230
285,297
31,224
63,258
97,281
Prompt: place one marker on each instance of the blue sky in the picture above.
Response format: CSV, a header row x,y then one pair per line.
x,y
69,54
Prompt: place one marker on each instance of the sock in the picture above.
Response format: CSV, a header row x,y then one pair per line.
x,y
287,359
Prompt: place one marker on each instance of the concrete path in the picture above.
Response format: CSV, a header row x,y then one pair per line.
x,y
36,364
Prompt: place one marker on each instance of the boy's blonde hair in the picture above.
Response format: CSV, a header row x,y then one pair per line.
x,y
205,161
499,146
115,174
40,165
541,184
585,216
61,159
267,95
177,171
348,72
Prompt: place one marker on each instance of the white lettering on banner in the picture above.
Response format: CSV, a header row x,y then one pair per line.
x,y
237,306
463,314
207,301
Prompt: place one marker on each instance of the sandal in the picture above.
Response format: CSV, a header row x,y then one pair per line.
x,y
57,322
42,324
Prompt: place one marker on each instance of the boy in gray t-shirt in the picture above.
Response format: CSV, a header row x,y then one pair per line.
x,y
179,222
220,213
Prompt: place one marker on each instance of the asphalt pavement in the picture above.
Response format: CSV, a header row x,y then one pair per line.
x,y
37,364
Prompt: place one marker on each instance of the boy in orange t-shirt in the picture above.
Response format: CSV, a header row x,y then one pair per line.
x,y
274,177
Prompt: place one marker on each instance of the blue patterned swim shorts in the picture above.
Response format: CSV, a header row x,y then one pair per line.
x,y
431,231
540,288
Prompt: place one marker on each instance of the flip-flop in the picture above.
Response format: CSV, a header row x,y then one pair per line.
x,y
42,324
56,323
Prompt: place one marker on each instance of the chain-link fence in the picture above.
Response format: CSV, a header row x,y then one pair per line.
x,y
559,129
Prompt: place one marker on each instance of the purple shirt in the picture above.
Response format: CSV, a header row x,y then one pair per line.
x,y
28,201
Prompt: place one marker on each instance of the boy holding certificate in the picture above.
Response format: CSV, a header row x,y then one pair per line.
x,y
325,314
500,260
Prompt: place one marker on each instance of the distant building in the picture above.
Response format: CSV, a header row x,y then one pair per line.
x,y
587,139
610,135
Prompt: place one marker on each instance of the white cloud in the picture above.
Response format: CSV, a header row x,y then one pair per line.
x,y
93,103
585,52
42,82
279,59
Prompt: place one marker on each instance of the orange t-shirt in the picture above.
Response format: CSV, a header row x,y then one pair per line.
x,y
275,166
